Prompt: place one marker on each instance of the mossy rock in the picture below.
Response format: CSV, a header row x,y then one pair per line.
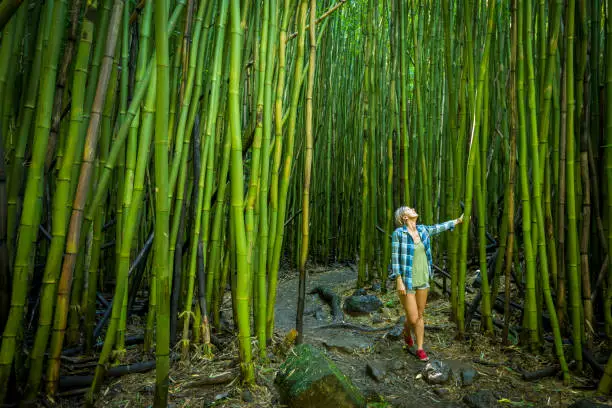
x,y
309,379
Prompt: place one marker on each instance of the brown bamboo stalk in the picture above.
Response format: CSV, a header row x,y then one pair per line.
x,y
78,207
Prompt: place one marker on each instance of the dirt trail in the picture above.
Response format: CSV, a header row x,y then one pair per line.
x,y
400,383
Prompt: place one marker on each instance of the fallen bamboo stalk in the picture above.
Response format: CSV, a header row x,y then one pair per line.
x,y
129,341
598,369
80,381
539,374
487,363
215,380
332,299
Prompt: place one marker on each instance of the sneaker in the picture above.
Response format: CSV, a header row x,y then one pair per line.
x,y
408,338
421,355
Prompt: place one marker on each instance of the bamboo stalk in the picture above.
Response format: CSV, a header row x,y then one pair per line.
x,y
236,176
73,238
608,158
307,173
30,217
572,265
61,211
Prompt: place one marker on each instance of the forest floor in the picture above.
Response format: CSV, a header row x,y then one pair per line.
x,y
400,383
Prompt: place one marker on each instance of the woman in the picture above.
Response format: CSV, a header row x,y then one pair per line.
x,y
411,268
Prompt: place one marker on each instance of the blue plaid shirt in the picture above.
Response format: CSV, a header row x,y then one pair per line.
x,y
402,249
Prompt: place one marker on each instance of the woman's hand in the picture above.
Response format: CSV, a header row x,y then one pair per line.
x,y
459,220
401,288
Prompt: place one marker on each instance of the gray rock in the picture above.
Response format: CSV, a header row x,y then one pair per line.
x,y
309,379
436,372
477,282
481,399
397,365
585,403
396,333
377,318
468,375
360,292
319,315
441,391
335,340
376,287
247,396
221,396
375,372
362,304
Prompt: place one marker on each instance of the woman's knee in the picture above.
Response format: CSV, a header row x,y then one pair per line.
x,y
413,318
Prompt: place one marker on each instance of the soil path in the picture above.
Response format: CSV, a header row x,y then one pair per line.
x,y
402,384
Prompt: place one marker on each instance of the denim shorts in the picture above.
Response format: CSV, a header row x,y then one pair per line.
x,y
415,288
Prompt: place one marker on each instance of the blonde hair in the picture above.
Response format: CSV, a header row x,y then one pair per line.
x,y
399,215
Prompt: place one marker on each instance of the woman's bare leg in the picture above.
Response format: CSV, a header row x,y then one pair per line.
x,y
409,304
419,325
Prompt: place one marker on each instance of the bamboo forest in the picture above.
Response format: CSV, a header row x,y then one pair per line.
x,y
200,202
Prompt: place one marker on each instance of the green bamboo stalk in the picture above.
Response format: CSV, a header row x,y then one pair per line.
x,y
420,122
30,218
206,174
487,321
62,79
608,158
212,126
124,199
404,176
236,177
9,35
307,173
5,274
193,255
452,125
65,282
259,53
546,86
264,229
60,216
275,204
162,211
7,10
373,256
122,134
131,225
530,309
215,264
537,200
605,384
15,179
509,201
9,113
366,134
473,152
187,98
572,265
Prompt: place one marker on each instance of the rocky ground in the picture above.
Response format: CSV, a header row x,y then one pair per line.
x,y
368,349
